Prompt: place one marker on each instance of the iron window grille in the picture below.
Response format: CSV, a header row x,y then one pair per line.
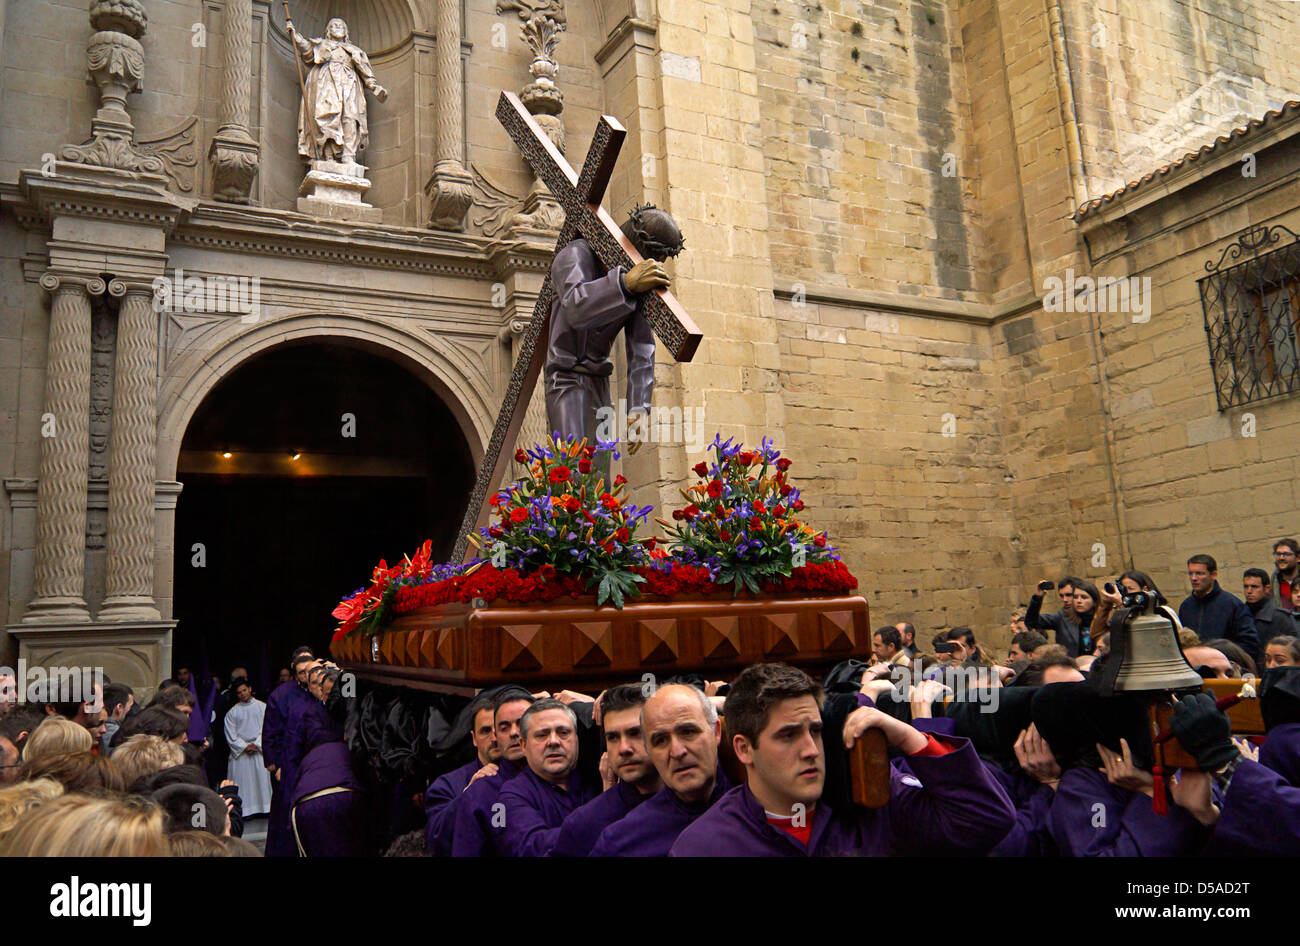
x,y
1251,311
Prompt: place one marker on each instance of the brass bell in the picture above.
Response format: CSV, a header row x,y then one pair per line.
x,y
1144,651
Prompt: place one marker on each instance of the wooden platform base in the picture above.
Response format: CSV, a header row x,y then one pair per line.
x,y
459,648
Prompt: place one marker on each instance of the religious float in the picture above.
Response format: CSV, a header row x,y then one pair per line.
x,y
564,590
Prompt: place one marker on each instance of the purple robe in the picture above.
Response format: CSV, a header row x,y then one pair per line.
x,y
1090,817
1032,800
1261,815
650,829
581,830
1281,752
328,825
201,716
439,810
535,809
479,824
279,832
951,806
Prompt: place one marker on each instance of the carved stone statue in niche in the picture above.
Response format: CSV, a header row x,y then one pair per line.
x,y
332,125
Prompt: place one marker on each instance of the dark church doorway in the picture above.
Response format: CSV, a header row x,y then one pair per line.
x,y
301,469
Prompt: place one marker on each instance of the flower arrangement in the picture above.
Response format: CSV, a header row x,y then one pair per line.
x,y
559,520
557,532
741,519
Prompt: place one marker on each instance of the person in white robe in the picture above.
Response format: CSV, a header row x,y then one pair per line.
x,y
244,735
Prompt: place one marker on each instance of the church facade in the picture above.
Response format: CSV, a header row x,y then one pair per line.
x,y
1014,283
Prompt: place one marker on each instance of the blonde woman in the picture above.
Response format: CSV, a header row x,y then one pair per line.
x,y
143,755
17,800
81,826
56,736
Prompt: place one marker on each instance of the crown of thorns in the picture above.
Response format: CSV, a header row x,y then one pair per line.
x,y
647,242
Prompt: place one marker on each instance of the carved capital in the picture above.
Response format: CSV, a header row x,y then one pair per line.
x,y
450,191
235,157
53,280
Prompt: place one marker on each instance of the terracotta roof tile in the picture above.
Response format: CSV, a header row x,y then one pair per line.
x,y
1288,110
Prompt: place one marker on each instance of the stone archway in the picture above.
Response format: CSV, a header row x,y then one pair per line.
x,y
302,466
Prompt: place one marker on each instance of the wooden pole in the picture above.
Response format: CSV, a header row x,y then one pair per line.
x,y
302,84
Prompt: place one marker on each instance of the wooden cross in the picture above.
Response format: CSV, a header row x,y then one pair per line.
x,y
580,196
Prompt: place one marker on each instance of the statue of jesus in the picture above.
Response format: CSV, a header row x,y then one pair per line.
x,y
332,121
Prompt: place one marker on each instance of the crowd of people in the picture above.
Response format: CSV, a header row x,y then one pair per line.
x,y
990,754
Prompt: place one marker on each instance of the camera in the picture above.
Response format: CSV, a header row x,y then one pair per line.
x,y
1045,586
1146,601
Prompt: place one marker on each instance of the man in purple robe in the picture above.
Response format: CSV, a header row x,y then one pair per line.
x,y
480,817
439,812
1279,704
774,718
591,306
681,731
550,788
626,765
326,811
279,833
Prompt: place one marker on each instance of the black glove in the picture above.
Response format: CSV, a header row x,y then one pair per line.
x,y
1203,731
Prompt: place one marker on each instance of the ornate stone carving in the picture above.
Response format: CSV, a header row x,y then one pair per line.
x,y
59,573
102,334
115,59
541,214
177,152
527,9
130,571
496,206
450,188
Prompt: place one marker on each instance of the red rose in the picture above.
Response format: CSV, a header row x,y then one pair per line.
x,y
584,465
547,572
559,474
758,506
521,457
691,511
797,505
518,515
786,488
777,510
701,469
623,535
620,480
747,458
608,501
724,535
715,489
755,523
495,533
820,541
678,514
783,464
588,452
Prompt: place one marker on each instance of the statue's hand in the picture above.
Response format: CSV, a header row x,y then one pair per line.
x,y
380,93
646,275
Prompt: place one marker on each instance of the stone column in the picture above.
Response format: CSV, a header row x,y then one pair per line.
x,y
234,154
60,569
132,458
450,188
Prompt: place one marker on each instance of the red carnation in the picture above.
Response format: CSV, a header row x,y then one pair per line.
x,y
755,523
691,511
701,469
608,501
715,489
559,474
747,458
649,543
521,457
584,465
495,533
547,572
518,515
783,464
797,505
572,504
678,514
724,535
786,488
620,480
758,506
777,510
623,535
